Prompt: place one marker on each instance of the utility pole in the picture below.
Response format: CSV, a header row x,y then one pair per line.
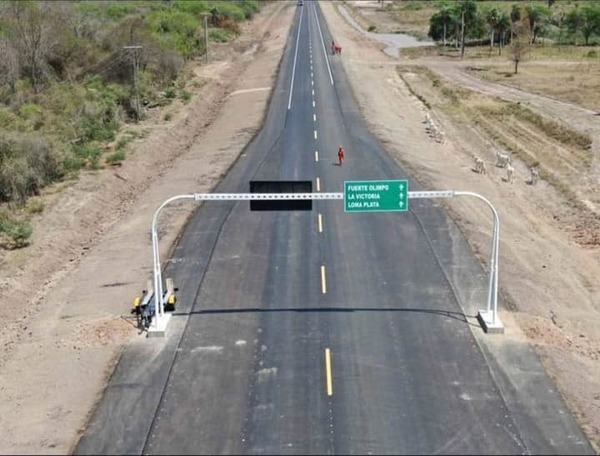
x,y
134,51
205,16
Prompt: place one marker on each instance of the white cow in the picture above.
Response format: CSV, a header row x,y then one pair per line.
x,y
510,173
480,166
502,160
535,175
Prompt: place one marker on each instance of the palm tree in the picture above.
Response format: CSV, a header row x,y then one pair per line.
x,y
446,18
504,26
492,17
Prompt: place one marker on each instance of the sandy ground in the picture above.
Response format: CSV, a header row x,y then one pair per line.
x,y
65,300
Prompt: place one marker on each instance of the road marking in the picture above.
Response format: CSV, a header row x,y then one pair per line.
x,y
313,92
318,184
295,58
312,75
323,280
313,103
315,134
328,372
317,159
314,117
312,83
320,223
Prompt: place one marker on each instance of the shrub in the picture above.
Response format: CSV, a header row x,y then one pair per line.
x,y
16,233
26,165
168,116
35,206
170,92
116,157
186,96
220,35
87,154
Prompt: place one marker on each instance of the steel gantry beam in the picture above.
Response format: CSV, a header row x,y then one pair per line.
x,y
488,318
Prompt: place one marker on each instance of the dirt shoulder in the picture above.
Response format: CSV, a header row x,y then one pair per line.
x,y
547,277
65,301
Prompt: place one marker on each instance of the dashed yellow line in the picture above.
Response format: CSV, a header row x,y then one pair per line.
x,y
328,372
323,280
320,223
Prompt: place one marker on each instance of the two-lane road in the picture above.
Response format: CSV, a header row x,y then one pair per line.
x,y
324,332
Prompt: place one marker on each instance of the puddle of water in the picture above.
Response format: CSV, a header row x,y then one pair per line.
x,y
395,41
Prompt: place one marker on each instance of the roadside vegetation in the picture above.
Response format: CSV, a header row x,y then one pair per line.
x,y
547,47
73,74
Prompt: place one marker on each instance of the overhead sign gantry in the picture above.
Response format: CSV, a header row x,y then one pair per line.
x,y
373,196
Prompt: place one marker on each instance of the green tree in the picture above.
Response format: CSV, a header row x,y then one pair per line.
x,y
468,16
591,21
574,21
504,27
492,18
442,23
538,16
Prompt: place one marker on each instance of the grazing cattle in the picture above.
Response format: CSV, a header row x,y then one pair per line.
x,y
510,173
502,160
535,175
480,166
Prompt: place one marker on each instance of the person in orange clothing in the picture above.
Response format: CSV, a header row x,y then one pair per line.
x,y
341,155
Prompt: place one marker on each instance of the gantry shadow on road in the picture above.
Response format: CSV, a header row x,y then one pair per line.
x,y
459,316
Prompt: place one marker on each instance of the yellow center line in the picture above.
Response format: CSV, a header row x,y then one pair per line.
x,y
328,371
320,223
323,280
318,183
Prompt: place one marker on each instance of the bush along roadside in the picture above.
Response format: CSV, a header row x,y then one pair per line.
x,y
66,97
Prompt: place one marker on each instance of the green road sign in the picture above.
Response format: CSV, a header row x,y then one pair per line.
x,y
375,196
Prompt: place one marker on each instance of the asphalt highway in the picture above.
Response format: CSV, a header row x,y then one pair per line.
x,y
326,332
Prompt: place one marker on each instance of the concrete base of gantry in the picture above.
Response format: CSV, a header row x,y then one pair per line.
x,y
490,324
158,327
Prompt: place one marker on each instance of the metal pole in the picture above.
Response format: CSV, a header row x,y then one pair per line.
x,y
493,281
158,289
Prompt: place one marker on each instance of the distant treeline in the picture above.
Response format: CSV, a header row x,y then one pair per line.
x,y
457,22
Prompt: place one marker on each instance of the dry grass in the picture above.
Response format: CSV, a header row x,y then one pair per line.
x,y
558,151
566,73
574,82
